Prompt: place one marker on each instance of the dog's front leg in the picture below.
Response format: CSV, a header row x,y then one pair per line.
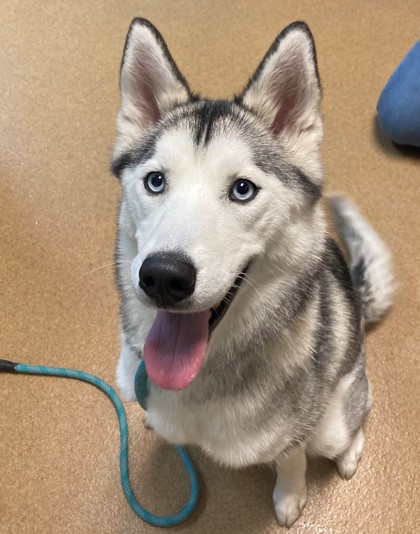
x,y
290,495
126,370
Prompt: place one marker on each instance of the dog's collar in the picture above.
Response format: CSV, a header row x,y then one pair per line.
x,y
141,385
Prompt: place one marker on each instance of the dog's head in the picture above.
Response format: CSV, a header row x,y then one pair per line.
x,y
209,186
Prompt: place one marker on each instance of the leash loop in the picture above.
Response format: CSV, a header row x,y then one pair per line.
x,y
145,515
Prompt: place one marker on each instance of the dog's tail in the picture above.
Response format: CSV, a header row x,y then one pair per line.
x,y
370,259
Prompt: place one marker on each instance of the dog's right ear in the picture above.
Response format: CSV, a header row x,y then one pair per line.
x,y
150,83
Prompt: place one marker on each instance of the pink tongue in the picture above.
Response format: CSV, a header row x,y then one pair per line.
x,y
175,348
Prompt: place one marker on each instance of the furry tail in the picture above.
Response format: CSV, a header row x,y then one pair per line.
x,y
370,259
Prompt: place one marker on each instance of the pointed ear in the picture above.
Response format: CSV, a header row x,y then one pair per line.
x,y
285,90
150,83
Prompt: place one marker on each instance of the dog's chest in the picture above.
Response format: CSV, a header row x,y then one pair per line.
x,y
221,428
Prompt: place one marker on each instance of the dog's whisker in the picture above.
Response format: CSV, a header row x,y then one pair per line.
x,y
111,264
246,279
273,265
277,376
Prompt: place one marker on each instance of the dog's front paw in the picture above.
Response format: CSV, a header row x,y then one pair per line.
x,y
126,373
126,387
126,390
288,506
347,463
147,421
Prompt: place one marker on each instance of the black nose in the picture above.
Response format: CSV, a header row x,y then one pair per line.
x,y
167,277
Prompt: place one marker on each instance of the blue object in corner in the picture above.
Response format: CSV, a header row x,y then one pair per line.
x,y
399,104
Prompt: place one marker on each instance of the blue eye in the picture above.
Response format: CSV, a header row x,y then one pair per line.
x,y
155,183
243,191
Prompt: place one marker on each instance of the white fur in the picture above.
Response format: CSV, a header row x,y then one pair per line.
x,y
332,438
276,230
126,370
290,495
348,461
169,418
206,212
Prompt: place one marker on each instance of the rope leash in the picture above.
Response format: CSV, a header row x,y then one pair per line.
x,y
145,515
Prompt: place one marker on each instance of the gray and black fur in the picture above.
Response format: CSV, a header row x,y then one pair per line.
x,y
285,370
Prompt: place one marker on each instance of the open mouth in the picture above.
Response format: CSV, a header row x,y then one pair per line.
x,y
176,346
219,311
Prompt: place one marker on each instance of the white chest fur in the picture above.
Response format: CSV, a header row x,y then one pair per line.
x,y
220,428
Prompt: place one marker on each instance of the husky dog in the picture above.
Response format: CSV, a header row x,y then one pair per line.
x,y
249,320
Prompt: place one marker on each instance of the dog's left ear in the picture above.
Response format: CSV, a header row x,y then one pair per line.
x,y
285,89
150,82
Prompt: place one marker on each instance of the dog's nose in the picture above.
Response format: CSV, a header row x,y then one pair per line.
x,y
167,277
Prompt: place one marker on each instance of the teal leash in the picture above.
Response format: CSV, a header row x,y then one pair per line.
x,y
141,388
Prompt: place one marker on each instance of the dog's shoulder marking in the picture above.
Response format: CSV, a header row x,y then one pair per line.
x,y
334,260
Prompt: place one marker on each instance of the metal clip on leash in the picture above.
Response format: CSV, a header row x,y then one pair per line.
x,y
141,387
